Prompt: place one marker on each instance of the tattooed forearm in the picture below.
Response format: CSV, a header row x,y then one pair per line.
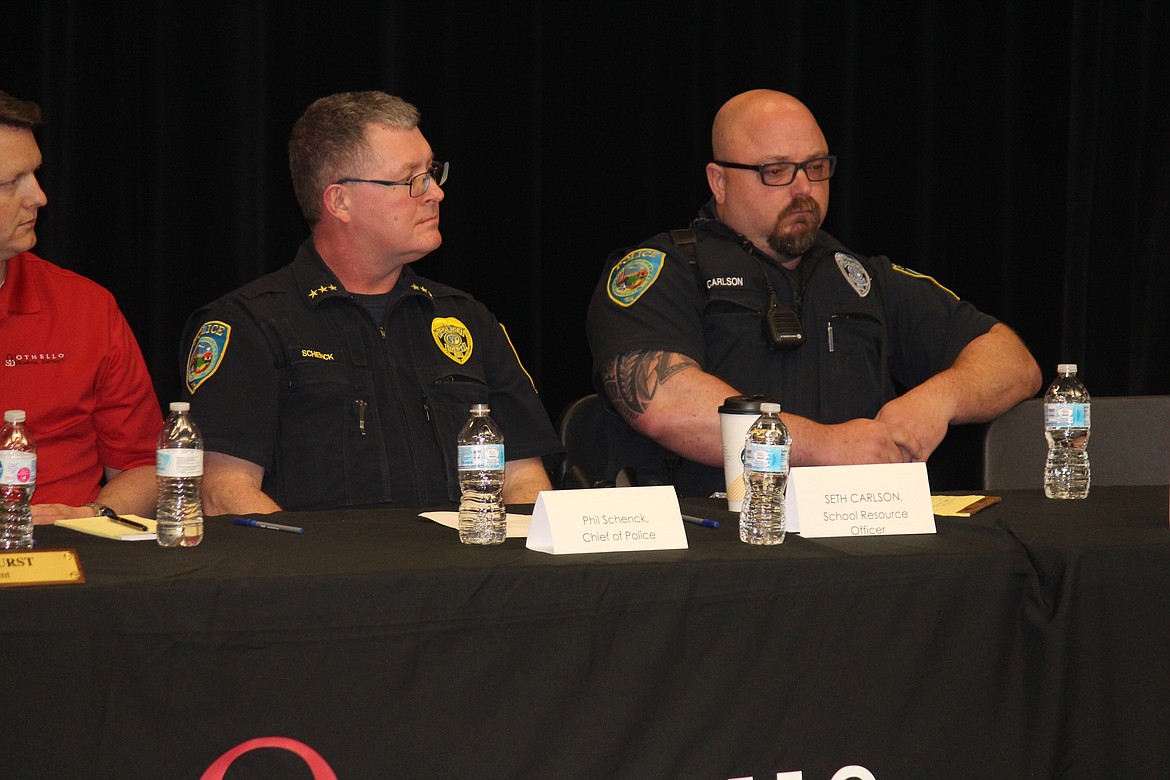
x,y
632,378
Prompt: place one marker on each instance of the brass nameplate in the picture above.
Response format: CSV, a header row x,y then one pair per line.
x,y
40,567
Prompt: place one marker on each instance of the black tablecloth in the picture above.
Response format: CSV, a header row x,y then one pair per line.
x,y
1024,642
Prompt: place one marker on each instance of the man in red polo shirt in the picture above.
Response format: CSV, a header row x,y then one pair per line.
x,y
68,357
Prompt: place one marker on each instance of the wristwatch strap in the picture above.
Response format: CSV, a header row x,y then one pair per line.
x,y
100,510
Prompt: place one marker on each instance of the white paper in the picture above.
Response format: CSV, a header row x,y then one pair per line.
x,y
517,524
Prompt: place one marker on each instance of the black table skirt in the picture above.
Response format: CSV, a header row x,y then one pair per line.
x,y
1027,642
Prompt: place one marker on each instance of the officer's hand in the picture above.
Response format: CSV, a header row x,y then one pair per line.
x,y
847,443
916,423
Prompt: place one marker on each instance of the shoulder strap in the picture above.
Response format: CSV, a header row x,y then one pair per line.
x,y
686,240
688,243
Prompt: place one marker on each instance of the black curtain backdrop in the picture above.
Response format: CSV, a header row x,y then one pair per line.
x,y
1018,152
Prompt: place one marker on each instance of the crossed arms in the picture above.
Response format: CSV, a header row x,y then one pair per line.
x,y
667,397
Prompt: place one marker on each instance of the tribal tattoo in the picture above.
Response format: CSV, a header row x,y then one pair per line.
x,y
632,378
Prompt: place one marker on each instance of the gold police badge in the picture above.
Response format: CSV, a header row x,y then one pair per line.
x,y
453,338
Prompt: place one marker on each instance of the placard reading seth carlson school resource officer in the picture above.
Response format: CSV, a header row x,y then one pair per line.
x,y
607,520
876,500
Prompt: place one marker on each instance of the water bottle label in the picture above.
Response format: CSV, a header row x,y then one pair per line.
x,y
179,463
772,458
481,457
1066,415
18,468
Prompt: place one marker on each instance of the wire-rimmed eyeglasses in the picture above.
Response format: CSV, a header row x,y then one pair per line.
x,y
419,183
779,174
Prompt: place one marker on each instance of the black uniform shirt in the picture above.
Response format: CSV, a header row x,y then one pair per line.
x,y
871,328
290,372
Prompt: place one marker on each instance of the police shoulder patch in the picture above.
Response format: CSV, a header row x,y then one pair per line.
x,y
207,351
633,275
453,338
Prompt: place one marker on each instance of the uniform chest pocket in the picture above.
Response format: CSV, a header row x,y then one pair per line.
x,y
733,324
327,454
450,396
318,387
859,332
855,367
734,296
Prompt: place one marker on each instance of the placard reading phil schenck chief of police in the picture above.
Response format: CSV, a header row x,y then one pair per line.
x,y
607,520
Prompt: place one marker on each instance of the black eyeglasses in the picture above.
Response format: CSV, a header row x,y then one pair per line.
x,y
779,174
419,183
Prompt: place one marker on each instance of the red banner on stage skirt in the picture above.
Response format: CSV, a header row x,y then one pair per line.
x,y
320,769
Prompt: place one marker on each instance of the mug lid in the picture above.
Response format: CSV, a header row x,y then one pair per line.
x,y
743,404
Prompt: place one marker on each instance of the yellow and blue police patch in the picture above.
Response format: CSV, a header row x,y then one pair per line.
x,y
207,351
633,275
453,338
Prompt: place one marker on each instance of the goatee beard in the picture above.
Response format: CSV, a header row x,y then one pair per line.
x,y
800,239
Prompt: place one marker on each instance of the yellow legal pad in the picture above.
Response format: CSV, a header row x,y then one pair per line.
x,y
110,529
961,506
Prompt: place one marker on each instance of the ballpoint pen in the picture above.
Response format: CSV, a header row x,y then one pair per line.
x,y
127,522
291,529
700,521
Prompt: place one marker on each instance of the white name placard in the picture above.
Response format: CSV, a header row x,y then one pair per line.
x,y
871,500
607,520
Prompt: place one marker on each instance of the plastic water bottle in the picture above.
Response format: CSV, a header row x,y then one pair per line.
x,y
482,518
18,480
765,475
1066,426
179,471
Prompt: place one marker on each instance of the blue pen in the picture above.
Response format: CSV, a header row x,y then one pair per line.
x,y
700,521
292,529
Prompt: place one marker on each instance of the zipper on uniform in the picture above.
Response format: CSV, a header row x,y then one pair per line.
x,y
830,336
361,410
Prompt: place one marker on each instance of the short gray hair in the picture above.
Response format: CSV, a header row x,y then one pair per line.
x,y
329,141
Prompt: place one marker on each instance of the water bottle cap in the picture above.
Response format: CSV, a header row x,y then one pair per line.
x,y
1066,368
769,408
14,416
180,406
479,409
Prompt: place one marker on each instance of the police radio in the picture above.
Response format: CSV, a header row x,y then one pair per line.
x,y
781,325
